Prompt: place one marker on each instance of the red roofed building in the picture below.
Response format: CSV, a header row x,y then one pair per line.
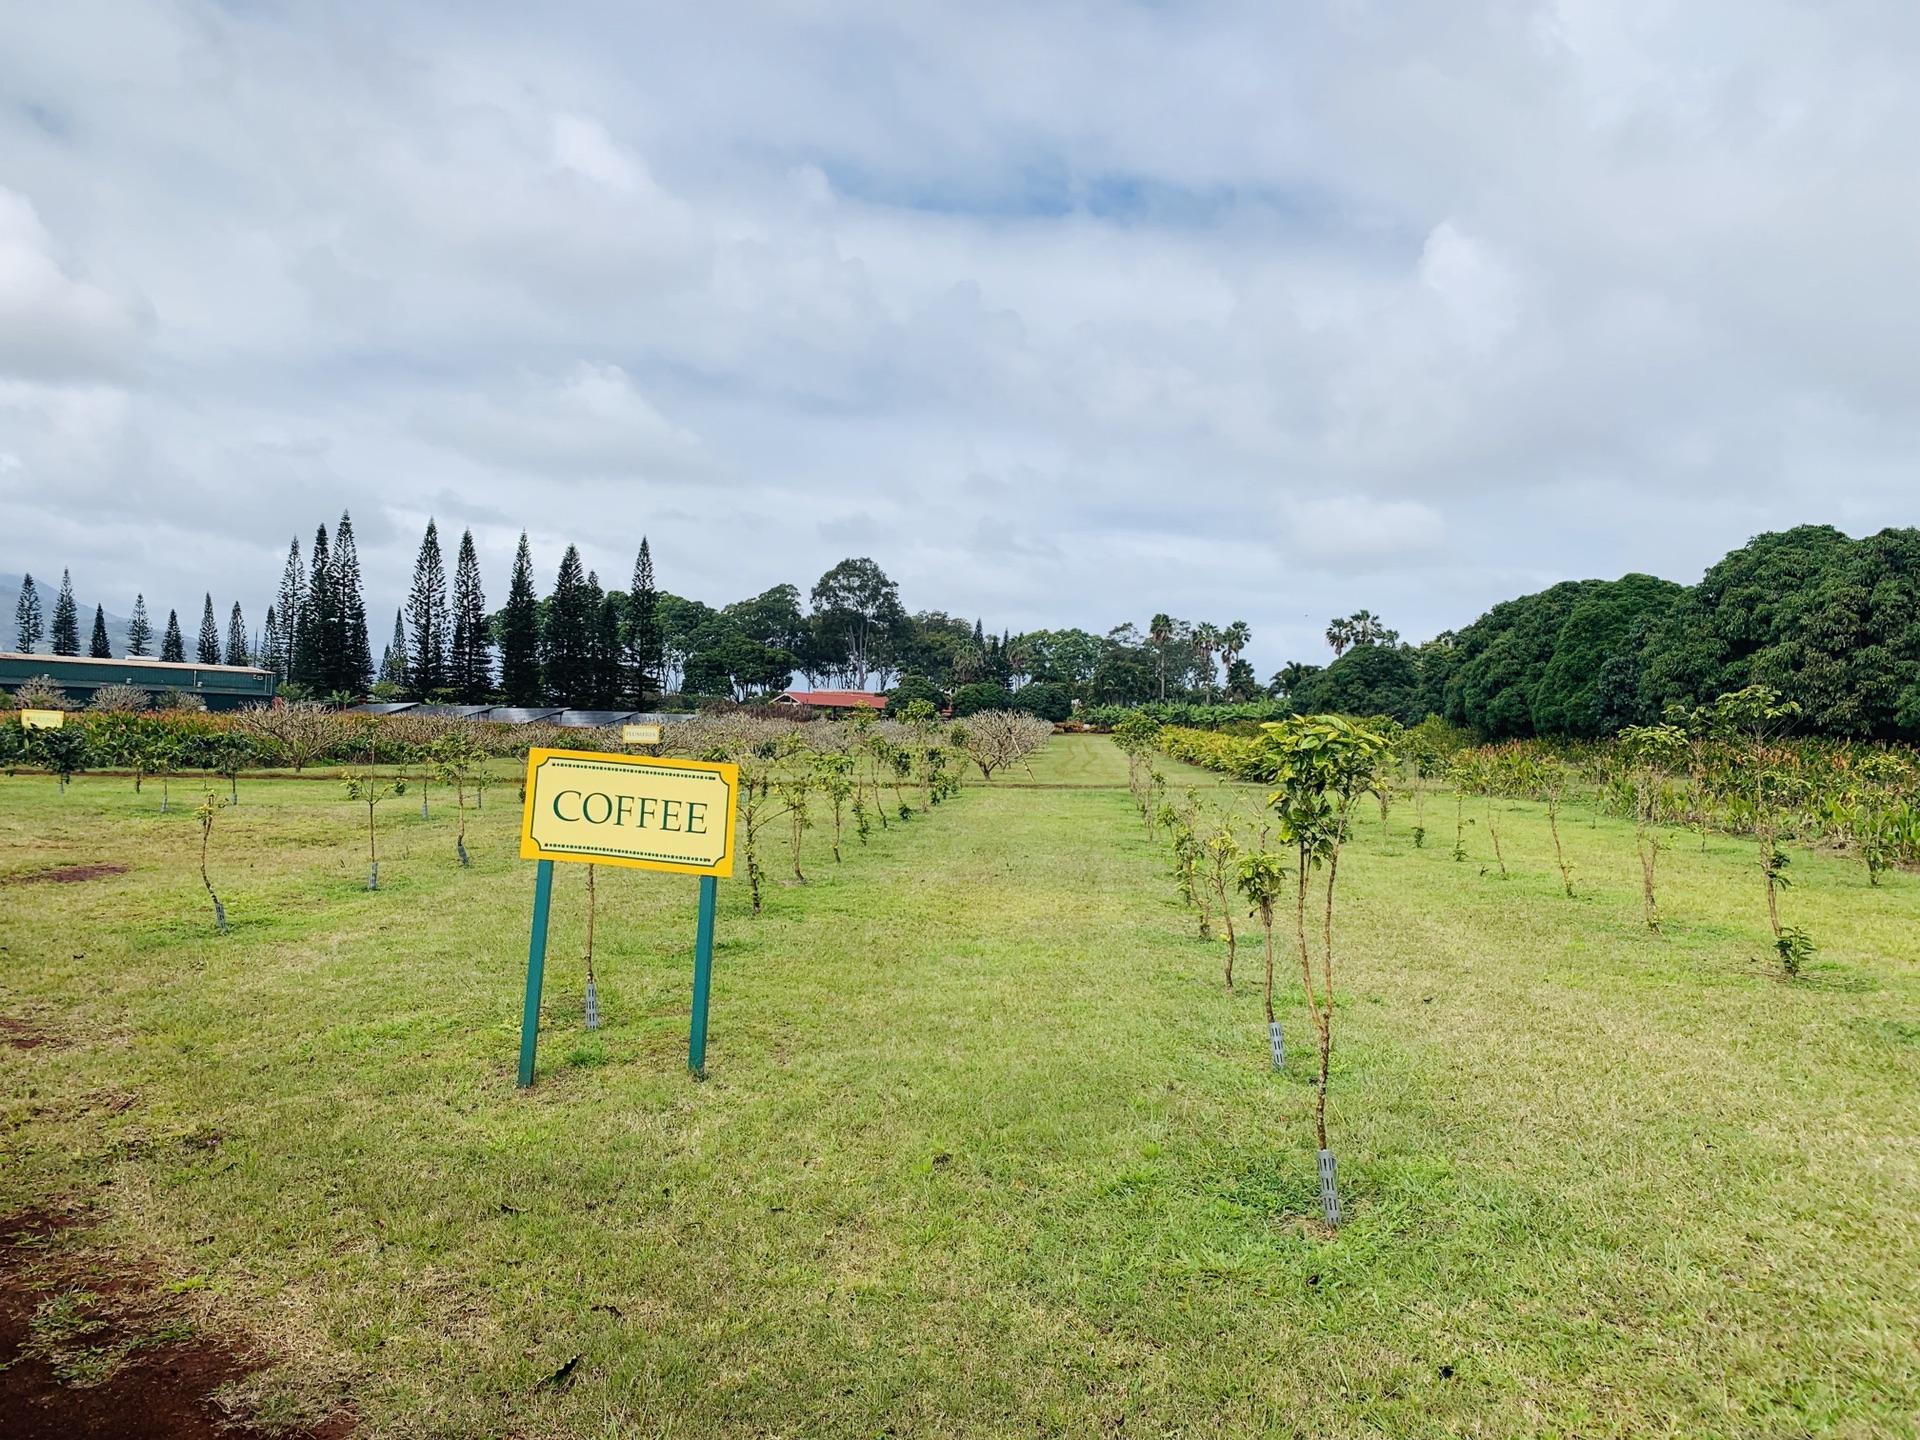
x,y
832,699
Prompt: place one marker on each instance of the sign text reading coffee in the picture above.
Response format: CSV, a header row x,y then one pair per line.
x,y
637,810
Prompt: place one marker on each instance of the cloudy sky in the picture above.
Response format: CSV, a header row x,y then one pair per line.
x,y
1063,313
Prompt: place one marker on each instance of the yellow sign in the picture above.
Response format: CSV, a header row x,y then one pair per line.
x,y
42,719
636,810
639,734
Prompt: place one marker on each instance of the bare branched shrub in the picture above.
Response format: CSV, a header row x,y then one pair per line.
x,y
298,731
995,739
118,699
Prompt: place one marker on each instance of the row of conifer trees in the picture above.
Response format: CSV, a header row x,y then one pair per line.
x,y
581,646
30,627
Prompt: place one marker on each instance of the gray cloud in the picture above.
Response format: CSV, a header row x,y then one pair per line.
x,y
1065,314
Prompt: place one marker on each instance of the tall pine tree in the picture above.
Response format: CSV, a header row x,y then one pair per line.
x,y
139,629
393,660
644,640
28,623
520,633
207,649
66,619
236,638
101,648
270,642
318,620
427,618
354,676
173,649
286,613
608,673
566,639
470,656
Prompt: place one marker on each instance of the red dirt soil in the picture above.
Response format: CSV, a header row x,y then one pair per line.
x,y
161,1391
66,874
21,1035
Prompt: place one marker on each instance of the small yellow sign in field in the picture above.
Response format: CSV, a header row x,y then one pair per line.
x,y
42,719
638,810
639,734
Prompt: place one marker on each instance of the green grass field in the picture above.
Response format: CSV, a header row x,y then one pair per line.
x,y
986,1149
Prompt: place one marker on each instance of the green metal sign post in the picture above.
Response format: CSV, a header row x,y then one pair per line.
x,y
537,966
536,969
702,978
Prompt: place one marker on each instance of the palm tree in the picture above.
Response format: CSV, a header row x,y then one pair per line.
x,y
1160,632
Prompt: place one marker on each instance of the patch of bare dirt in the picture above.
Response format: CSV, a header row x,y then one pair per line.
x,y
22,1034
92,1352
65,874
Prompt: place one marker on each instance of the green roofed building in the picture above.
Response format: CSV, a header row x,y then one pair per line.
x,y
221,687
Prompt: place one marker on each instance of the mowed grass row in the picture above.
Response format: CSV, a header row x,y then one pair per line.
x,y
987,1148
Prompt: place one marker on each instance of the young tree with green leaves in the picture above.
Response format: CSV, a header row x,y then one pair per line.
x,y
1318,764
1653,752
457,758
139,630
1261,878
366,785
209,808
470,653
173,647
428,619
100,647
207,647
520,633
1755,718
1220,865
66,619
28,623
833,776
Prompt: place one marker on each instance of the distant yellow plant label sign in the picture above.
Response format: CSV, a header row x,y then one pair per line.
x,y
639,734
42,719
638,810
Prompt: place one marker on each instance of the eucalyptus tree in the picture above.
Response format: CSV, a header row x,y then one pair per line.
x,y
1319,765
858,607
